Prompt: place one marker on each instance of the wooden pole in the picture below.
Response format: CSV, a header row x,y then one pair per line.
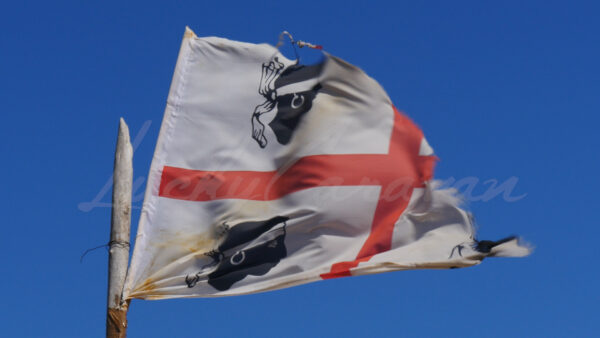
x,y
116,316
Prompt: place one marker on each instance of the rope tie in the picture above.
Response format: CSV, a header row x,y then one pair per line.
x,y
122,244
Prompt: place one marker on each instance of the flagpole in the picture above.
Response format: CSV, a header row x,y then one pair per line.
x,y
116,315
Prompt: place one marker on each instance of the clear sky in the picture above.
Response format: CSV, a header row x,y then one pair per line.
x,y
505,91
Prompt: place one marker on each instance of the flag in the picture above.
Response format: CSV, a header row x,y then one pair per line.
x,y
269,173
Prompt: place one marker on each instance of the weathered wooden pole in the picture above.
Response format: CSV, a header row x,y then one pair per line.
x,y
118,258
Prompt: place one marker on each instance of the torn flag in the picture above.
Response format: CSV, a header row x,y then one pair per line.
x,y
269,173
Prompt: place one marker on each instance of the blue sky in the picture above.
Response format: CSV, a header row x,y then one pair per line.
x,y
504,91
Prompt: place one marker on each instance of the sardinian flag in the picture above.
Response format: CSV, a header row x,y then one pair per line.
x,y
269,173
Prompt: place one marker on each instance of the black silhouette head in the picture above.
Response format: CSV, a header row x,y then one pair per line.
x,y
250,248
296,88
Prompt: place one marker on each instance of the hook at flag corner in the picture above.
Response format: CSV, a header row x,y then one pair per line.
x,y
298,43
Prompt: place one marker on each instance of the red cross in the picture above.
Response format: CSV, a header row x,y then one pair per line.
x,y
398,172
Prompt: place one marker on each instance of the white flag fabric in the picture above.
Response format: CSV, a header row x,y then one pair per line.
x,y
269,174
